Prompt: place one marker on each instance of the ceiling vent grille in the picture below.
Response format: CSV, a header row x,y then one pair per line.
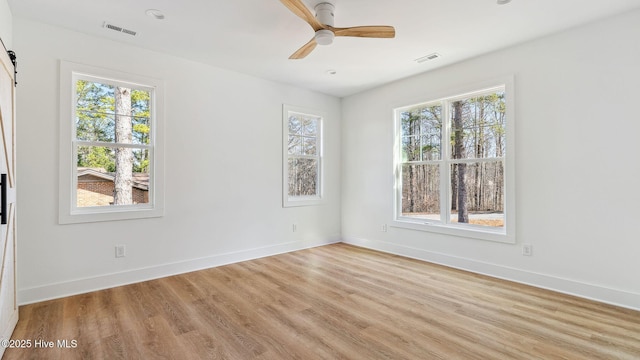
x,y
427,58
119,29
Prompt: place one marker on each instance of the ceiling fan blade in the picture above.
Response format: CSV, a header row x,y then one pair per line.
x,y
300,9
366,31
305,50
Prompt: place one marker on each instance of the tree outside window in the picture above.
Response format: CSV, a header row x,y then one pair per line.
x,y
452,166
302,156
111,145
112,139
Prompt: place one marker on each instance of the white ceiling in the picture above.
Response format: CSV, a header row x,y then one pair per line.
x,y
257,36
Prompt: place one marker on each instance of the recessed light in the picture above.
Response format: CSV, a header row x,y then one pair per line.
x,y
331,72
155,13
503,2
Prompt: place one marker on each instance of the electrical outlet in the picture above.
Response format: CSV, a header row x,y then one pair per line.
x,y
527,249
383,228
120,251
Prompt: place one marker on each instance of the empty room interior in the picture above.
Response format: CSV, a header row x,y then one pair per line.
x,y
313,179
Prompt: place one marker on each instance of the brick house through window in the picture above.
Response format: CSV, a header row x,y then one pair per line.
x,y
96,187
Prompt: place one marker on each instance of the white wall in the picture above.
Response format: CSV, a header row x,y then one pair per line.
x,y
577,170
577,166
223,171
6,24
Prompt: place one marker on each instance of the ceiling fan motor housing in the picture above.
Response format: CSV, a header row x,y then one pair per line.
x,y
324,14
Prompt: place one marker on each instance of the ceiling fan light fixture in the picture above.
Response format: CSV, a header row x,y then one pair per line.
x,y
324,37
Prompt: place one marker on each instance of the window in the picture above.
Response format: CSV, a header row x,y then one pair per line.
x,y
110,145
302,160
452,173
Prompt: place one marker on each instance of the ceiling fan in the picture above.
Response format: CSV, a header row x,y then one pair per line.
x,y
322,24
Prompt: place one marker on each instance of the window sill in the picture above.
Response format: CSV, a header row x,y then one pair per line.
x,y
98,214
303,201
466,231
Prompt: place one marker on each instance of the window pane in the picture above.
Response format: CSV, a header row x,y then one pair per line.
x,y
421,191
310,145
301,124
430,147
421,133
95,97
302,145
411,148
478,193
303,134
478,127
431,129
98,157
100,174
91,126
309,125
141,128
295,145
295,126
303,177
95,109
140,103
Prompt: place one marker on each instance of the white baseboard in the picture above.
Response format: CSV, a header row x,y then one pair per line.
x,y
545,281
84,285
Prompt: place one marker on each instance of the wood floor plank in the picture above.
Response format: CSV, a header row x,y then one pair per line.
x,y
331,302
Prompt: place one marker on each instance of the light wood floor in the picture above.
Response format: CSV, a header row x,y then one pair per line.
x,y
332,302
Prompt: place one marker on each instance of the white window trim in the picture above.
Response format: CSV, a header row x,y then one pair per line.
x,y
68,211
504,235
292,201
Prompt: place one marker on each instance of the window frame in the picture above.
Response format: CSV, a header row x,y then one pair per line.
x,y
69,212
507,233
293,201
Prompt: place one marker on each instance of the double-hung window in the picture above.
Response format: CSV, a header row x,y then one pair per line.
x,y
110,156
302,156
452,170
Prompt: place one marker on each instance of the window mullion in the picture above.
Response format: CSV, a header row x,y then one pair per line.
x,y
299,156
112,144
477,160
445,167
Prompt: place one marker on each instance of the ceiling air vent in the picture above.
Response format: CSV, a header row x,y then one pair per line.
x,y
427,58
119,29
